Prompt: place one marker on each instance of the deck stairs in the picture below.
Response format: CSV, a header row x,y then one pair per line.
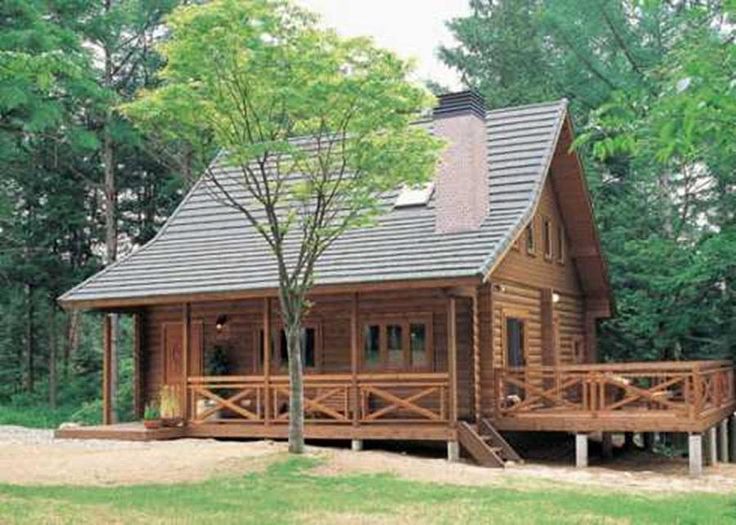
x,y
486,445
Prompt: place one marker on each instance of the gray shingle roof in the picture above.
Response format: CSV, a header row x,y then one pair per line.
x,y
208,247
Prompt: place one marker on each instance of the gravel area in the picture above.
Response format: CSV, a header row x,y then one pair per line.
x,y
34,457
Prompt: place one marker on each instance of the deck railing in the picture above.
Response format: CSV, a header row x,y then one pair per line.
x,y
328,398
686,389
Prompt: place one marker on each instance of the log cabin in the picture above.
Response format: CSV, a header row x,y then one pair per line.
x,y
468,309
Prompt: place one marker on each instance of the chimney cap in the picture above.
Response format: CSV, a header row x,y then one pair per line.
x,y
460,102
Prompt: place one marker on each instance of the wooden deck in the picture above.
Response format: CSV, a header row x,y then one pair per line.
x,y
682,396
122,431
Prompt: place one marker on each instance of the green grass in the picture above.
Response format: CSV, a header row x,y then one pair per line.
x,y
289,493
35,416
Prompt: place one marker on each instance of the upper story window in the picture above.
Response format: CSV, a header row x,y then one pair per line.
x,y
398,342
561,244
531,245
547,238
415,195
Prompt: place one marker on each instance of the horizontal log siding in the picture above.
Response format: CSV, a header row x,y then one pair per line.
x,y
331,315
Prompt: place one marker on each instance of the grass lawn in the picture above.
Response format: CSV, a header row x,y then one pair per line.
x,y
289,493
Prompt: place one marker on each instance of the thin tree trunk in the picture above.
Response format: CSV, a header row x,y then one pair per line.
x,y
111,230
296,385
30,338
52,358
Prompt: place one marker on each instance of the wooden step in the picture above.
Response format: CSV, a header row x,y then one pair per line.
x,y
494,438
477,447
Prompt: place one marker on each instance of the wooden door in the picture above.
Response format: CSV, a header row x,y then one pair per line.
x,y
174,352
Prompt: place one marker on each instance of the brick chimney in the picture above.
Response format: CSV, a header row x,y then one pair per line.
x,y
461,200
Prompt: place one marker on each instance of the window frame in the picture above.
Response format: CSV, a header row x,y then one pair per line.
x,y
561,244
524,317
530,239
278,365
405,321
547,242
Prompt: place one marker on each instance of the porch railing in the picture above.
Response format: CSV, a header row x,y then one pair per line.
x,y
685,389
328,398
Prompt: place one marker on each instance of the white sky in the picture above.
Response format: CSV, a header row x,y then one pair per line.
x,y
411,28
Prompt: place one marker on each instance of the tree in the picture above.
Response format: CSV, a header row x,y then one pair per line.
x,y
313,126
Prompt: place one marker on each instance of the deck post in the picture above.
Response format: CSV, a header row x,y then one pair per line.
x,y
453,451
711,446
266,360
186,322
732,440
695,453
723,441
607,445
477,392
354,334
581,450
107,370
356,445
452,359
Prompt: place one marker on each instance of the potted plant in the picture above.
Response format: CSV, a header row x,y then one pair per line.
x,y
151,417
170,406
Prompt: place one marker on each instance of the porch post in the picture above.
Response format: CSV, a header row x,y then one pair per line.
x,y
723,441
267,360
106,370
186,322
732,441
695,453
453,452
357,444
477,392
581,450
137,365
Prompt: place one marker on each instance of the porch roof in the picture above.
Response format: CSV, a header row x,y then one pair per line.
x,y
207,247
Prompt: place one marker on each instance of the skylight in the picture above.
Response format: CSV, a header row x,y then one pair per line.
x,y
415,195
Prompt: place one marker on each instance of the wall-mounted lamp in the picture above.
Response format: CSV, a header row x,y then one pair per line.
x,y
555,298
221,322
499,288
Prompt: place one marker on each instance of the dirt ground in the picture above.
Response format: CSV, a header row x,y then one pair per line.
x,y
34,457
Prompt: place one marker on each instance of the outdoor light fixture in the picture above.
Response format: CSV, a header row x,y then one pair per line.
x,y
555,297
499,288
220,323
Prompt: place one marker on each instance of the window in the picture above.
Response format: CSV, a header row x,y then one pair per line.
x,y
372,346
514,342
547,238
560,244
530,242
398,343
280,349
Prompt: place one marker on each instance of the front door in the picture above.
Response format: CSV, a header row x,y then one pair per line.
x,y
173,345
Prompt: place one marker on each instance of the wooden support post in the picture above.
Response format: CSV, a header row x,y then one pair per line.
x,y
732,441
695,454
267,360
477,391
107,370
648,438
723,441
711,446
186,345
453,451
354,338
356,445
137,365
581,450
607,445
452,358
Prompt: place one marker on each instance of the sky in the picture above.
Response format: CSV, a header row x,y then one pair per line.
x,y
411,28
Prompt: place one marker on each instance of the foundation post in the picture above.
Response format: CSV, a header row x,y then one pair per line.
x,y
581,450
356,445
607,445
732,440
723,441
711,446
453,451
695,454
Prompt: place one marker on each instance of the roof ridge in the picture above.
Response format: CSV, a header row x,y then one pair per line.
x,y
558,102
